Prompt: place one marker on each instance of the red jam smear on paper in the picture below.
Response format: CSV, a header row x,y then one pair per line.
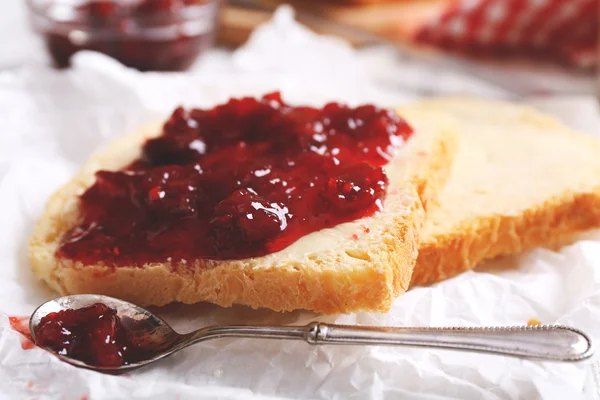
x,y
109,25
93,334
244,179
21,325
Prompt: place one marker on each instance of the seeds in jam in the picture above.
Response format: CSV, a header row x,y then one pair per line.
x,y
243,179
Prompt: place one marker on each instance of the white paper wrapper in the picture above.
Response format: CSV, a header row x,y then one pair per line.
x,y
52,121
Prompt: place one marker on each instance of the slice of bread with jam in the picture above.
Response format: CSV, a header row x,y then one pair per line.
x,y
359,261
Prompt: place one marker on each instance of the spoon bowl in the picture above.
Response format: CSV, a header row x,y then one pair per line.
x,y
138,321
158,339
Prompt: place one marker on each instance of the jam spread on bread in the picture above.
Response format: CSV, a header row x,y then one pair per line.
x,y
243,179
160,35
95,335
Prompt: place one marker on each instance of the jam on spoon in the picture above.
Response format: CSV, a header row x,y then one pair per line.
x,y
243,179
92,334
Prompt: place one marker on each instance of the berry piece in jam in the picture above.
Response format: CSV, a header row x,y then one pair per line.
x,y
244,217
94,335
357,187
243,179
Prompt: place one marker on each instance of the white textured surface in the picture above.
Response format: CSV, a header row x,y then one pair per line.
x,y
52,121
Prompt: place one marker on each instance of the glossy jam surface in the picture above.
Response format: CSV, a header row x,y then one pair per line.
x,y
159,35
94,335
244,179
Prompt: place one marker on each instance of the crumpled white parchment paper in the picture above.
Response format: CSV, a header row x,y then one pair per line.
x,y
51,121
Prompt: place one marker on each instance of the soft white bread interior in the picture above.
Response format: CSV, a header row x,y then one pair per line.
x,y
360,265
520,179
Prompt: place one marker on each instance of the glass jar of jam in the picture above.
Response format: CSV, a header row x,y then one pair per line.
x,y
149,35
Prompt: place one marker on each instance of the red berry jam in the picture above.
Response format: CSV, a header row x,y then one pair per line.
x,y
94,335
160,35
243,179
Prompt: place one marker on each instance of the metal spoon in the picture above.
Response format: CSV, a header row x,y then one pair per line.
x,y
542,342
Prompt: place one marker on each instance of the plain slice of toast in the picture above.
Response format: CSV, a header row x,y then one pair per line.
x,y
520,179
360,265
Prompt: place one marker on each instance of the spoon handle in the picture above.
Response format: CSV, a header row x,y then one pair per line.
x,y
542,342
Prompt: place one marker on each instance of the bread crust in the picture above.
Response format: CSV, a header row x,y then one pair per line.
x,y
542,225
367,273
554,207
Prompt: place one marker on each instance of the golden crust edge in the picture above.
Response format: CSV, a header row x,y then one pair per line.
x,y
486,238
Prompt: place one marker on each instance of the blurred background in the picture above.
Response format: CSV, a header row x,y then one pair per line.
x,y
522,47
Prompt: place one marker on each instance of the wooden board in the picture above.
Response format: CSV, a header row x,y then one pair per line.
x,y
392,20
